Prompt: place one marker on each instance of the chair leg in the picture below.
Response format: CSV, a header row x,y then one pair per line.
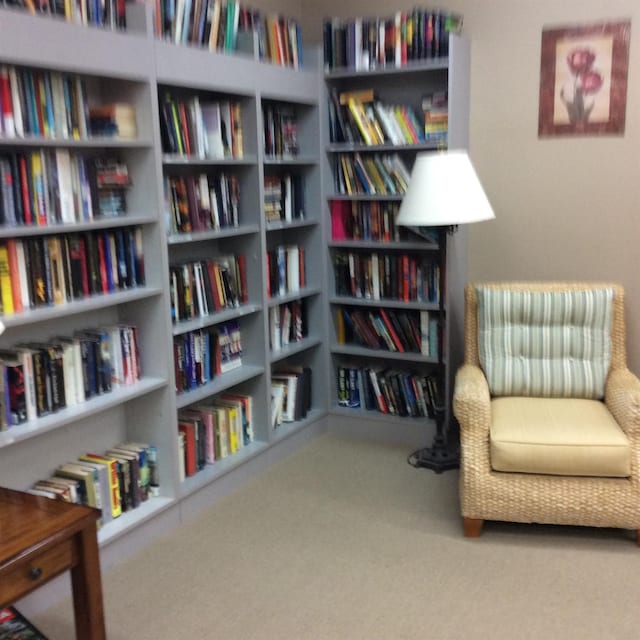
x,y
473,528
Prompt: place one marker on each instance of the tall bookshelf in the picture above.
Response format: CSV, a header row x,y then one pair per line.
x,y
350,251
143,73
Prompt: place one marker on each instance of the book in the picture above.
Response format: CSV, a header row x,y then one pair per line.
x,y
114,483
14,626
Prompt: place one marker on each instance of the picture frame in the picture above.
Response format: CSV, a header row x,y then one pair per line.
x,y
583,79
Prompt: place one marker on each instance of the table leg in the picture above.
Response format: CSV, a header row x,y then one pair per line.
x,y
87,587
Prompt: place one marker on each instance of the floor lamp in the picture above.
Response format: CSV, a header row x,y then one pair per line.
x,y
444,191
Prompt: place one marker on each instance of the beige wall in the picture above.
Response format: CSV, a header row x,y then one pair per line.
x,y
565,207
288,8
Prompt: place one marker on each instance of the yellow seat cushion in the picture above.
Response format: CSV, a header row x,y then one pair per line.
x,y
559,436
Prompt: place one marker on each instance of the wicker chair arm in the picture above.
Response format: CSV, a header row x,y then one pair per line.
x,y
472,401
622,397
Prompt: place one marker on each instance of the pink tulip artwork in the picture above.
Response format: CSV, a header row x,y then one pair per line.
x,y
583,80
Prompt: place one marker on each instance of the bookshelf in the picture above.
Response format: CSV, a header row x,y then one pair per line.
x,y
381,278
147,73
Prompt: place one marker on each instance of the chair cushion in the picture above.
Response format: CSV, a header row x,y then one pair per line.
x,y
545,343
560,436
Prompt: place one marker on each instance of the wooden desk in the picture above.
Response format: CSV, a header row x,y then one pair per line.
x,y
39,539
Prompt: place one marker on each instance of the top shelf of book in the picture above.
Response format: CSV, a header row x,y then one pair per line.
x,y
412,40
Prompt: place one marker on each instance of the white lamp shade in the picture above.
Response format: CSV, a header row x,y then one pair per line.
x,y
443,190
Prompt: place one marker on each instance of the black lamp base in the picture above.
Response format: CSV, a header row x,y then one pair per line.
x,y
439,457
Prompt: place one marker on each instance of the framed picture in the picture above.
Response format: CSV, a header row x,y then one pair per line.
x,y
583,79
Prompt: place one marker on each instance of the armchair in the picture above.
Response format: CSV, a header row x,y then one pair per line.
x,y
549,413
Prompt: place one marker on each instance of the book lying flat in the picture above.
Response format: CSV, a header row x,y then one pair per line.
x,y
14,626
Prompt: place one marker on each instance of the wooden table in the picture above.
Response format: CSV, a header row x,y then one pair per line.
x,y
39,539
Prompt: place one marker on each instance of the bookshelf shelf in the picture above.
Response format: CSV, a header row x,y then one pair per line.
x,y
363,352
290,161
127,220
130,519
364,197
82,411
294,224
383,302
214,234
410,68
220,383
304,292
383,246
212,472
170,160
103,142
94,303
293,349
287,429
347,147
214,318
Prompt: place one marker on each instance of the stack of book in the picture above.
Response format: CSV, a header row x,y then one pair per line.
x,y
357,220
37,379
115,119
358,116
378,276
290,394
395,41
203,202
211,431
204,287
283,197
116,481
202,354
371,174
280,135
285,270
55,270
201,128
229,26
389,391
287,324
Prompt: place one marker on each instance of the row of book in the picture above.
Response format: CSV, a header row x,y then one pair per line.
x,y
287,324
393,41
211,431
114,482
49,186
52,104
219,25
283,197
200,127
110,14
203,287
56,269
202,354
37,379
357,220
280,130
290,394
380,276
370,174
203,202
360,117
285,270
389,391
389,330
